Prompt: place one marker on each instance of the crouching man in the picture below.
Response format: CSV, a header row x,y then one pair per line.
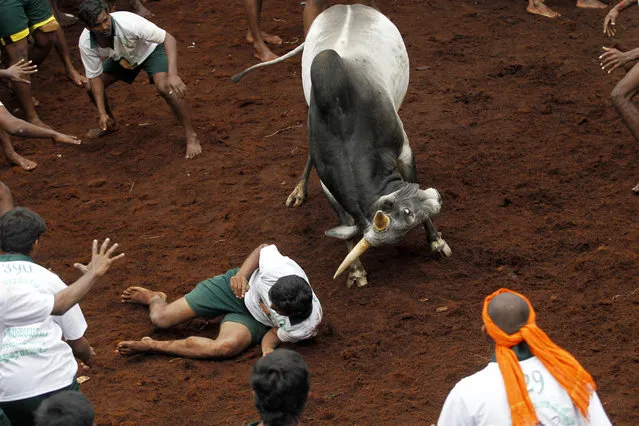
x,y
268,300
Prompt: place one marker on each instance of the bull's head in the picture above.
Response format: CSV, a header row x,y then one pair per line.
x,y
393,216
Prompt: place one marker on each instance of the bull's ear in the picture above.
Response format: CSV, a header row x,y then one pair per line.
x,y
343,232
381,221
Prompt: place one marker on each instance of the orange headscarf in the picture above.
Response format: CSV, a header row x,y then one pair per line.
x,y
563,366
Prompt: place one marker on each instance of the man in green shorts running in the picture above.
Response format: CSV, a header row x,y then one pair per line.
x,y
268,300
132,44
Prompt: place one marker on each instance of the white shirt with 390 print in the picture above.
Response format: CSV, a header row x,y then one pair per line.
x,y
272,267
33,357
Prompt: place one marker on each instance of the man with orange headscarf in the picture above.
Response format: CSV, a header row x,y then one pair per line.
x,y
530,381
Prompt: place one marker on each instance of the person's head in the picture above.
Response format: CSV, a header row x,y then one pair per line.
x,y
20,230
280,383
68,408
292,296
509,312
95,16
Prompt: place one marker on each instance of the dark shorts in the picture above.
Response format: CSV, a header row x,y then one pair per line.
x,y
18,18
156,62
21,412
214,297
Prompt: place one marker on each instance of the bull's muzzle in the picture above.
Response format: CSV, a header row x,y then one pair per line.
x,y
352,256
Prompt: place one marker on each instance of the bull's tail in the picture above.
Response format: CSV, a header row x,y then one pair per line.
x,y
298,49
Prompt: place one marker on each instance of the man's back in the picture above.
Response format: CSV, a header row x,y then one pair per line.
x,y
480,400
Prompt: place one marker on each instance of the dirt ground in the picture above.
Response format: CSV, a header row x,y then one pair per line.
x,y
510,119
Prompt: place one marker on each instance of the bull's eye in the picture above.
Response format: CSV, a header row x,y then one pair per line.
x,y
407,212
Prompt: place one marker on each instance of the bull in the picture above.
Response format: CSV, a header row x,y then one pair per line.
x,y
355,72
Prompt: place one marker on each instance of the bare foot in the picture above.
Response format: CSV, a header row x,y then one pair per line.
x,y
263,53
66,19
591,4
543,10
268,38
77,78
20,161
193,147
141,295
133,347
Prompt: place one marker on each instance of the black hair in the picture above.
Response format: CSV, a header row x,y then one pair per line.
x,y
89,11
281,382
20,228
68,408
293,296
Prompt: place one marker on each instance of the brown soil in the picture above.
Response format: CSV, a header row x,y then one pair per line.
x,y
510,118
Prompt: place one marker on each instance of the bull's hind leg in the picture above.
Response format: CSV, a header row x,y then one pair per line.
x,y
406,167
298,195
356,272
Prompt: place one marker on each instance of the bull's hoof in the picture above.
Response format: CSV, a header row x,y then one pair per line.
x,y
356,279
297,197
439,248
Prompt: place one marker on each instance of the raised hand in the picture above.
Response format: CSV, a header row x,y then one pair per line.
x,y
100,260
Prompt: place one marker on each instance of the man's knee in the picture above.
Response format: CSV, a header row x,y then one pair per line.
x,y
162,86
18,51
619,95
160,319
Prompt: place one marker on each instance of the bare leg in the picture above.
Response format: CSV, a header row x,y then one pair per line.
x,y
591,4
162,314
298,195
253,11
12,155
138,8
537,7
193,147
20,50
62,48
233,339
312,8
622,96
6,199
64,19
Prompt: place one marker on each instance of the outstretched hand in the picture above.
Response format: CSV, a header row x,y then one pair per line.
x,y
239,285
612,59
177,87
20,68
100,260
609,22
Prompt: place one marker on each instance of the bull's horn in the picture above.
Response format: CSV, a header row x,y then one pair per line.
x,y
381,220
352,256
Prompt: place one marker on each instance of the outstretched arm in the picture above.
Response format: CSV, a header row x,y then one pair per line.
x,y
239,282
611,17
100,263
82,350
270,341
16,127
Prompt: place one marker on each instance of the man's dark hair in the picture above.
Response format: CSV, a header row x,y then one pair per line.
x,y
293,296
281,382
20,228
89,11
68,408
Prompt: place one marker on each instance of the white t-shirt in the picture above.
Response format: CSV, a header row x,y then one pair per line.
x,y
33,358
480,400
135,39
272,267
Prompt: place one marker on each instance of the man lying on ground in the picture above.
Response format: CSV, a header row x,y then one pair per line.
x,y
267,300
132,44
530,381
14,126
35,362
280,383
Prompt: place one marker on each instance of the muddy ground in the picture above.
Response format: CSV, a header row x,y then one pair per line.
x,y
510,119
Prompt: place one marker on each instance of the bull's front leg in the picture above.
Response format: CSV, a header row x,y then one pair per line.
x,y
298,195
438,247
356,272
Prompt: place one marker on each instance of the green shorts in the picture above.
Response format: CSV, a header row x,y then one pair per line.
x,y
18,18
156,62
214,297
